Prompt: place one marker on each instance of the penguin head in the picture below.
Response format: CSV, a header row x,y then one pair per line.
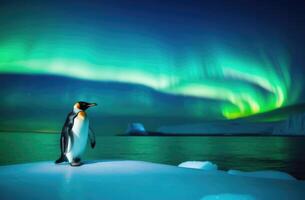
x,y
82,106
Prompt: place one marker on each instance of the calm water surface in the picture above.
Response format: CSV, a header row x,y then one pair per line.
x,y
244,153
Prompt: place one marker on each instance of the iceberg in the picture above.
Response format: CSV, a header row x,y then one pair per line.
x,y
136,129
204,165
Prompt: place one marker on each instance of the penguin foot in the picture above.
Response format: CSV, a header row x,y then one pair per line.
x,y
76,162
61,159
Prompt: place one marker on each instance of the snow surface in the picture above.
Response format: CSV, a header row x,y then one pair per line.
x,y
111,180
228,197
204,165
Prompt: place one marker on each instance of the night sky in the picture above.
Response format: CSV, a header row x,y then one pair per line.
x,y
156,62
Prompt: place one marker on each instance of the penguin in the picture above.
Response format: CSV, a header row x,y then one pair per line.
x,y
74,134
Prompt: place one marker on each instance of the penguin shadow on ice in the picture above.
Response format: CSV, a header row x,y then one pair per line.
x,y
75,134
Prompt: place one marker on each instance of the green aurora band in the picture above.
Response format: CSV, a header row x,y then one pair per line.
x,y
243,83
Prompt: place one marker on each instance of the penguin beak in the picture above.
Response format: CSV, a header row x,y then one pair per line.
x,y
92,104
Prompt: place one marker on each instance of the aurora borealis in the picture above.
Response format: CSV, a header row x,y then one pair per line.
x,y
244,86
235,61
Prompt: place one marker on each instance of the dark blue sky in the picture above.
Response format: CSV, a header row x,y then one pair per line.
x,y
223,59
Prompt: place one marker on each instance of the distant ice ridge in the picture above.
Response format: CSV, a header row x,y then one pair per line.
x,y
204,165
294,125
221,127
209,166
263,174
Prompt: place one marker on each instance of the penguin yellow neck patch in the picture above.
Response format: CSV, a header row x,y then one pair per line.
x,y
81,115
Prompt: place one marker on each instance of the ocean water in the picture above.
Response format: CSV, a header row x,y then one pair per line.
x,y
228,152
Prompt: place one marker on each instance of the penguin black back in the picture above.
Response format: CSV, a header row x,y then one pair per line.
x,y
66,133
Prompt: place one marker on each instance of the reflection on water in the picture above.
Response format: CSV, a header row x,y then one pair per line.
x,y
243,153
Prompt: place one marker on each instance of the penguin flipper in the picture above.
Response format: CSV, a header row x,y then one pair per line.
x,y
92,138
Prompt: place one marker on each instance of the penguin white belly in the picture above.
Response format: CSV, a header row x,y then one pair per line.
x,y
80,137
